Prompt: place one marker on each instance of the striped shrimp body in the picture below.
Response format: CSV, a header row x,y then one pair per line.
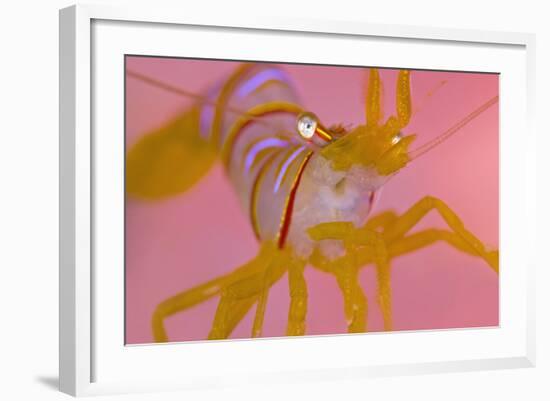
x,y
307,190
284,183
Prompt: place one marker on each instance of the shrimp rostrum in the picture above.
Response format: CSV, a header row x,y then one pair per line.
x,y
308,190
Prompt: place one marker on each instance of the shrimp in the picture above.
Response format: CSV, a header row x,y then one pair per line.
x,y
308,190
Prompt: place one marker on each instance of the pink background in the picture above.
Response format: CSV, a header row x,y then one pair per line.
x,y
175,244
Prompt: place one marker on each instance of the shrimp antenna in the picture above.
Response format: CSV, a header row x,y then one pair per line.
x,y
203,99
429,96
416,153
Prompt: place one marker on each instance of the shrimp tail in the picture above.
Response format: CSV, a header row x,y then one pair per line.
x,y
169,160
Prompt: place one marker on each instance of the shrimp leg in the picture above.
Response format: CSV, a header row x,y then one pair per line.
x,y
298,299
426,238
201,293
382,250
240,292
362,245
186,300
346,272
355,302
365,245
410,218
371,242
271,264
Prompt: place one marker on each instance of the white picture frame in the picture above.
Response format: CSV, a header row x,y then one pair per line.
x,y
92,352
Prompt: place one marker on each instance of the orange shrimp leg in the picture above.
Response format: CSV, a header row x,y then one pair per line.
x,y
393,241
201,293
355,302
298,299
362,246
381,220
371,242
183,301
370,248
231,296
298,293
346,272
270,265
188,299
426,238
365,245
409,219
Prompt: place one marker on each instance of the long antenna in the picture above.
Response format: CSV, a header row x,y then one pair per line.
x,y
416,153
178,91
429,96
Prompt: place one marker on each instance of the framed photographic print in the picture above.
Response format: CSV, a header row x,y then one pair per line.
x,y
341,201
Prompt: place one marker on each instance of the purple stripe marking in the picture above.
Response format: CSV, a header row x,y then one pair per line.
x,y
260,78
285,167
266,143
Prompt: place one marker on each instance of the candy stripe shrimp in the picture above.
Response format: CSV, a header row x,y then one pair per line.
x,y
308,190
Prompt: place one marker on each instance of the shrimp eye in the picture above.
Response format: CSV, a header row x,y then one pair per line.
x,y
307,125
312,130
397,138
